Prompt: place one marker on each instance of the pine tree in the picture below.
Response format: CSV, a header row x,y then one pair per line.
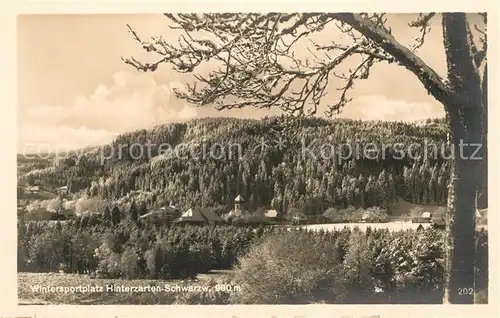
x,y
381,191
133,211
357,266
106,216
391,189
361,184
351,167
433,186
407,183
22,243
143,209
331,191
115,216
424,177
370,192
415,184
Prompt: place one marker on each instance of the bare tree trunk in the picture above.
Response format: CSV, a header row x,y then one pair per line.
x,y
448,238
463,230
467,124
483,186
481,260
461,223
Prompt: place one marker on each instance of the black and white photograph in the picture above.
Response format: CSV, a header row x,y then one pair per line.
x,y
252,158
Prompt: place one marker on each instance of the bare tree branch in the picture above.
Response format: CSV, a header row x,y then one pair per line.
x,y
463,73
434,84
481,54
423,22
257,65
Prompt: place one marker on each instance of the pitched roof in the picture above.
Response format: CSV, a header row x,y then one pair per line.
x,y
147,215
211,216
168,210
239,199
192,215
199,215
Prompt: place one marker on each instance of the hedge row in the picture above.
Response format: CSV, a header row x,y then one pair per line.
x,y
388,265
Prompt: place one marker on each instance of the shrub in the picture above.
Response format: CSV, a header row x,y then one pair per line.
x,y
275,266
356,268
289,267
339,215
128,264
416,212
109,265
377,215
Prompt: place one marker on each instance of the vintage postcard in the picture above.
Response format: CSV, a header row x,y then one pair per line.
x,y
262,157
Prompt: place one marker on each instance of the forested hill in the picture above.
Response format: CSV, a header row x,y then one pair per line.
x,y
279,174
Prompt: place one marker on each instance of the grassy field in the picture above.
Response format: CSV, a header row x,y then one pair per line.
x,y
97,293
392,226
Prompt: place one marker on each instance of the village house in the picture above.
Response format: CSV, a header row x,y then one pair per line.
x,y
199,216
164,214
33,189
425,217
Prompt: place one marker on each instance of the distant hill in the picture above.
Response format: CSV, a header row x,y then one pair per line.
x,y
277,174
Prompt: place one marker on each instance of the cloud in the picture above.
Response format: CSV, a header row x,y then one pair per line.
x,y
43,138
137,100
131,102
378,107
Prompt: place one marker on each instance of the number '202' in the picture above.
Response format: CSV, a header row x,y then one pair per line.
x,y
465,291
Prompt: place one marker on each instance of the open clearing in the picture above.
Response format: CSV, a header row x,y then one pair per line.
x,y
391,226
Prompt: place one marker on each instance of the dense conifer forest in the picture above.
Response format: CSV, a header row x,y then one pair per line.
x,y
270,170
218,158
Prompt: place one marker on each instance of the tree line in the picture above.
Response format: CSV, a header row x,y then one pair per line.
x,y
266,176
378,266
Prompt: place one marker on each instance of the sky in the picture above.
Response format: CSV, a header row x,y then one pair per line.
x,y
74,90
